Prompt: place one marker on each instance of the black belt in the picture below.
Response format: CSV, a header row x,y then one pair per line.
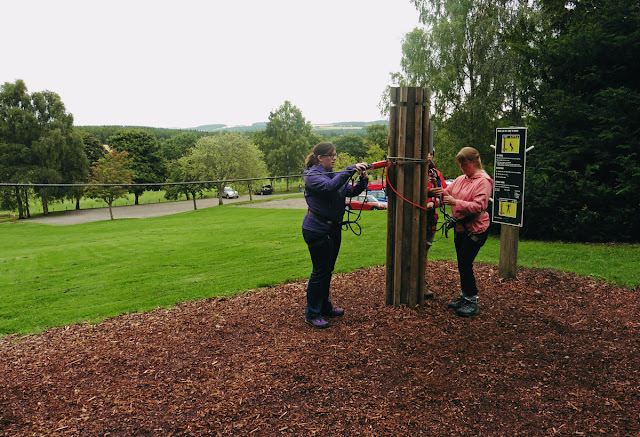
x,y
323,219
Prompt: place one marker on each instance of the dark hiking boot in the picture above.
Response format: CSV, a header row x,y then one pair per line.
x,y
455,303
468,307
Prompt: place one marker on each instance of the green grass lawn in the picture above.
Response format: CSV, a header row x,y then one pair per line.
x,y
58,275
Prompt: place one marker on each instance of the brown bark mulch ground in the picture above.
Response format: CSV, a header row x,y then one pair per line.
x,y
550,354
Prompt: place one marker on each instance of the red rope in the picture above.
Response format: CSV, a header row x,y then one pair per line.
x,y
398,194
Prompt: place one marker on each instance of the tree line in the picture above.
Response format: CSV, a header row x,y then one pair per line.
x,y
568,70
40,145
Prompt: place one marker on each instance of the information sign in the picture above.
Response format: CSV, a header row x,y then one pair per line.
x,y
508,188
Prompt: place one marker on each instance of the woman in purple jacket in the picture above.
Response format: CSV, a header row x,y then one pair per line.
x,y
325,193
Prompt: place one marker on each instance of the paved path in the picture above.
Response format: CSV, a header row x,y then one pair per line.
x,y
75,217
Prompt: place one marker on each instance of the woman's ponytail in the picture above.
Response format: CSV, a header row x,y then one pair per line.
x,y
311,160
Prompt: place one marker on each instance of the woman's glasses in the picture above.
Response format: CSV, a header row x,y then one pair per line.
x,y
331,155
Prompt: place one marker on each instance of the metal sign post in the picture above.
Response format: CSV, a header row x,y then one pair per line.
x,y
508,193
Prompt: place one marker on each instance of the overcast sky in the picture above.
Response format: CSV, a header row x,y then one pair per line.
x,y
185,63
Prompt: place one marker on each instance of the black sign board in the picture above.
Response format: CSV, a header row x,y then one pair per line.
x,y
508,188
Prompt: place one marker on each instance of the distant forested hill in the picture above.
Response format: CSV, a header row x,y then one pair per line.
x,y
331,129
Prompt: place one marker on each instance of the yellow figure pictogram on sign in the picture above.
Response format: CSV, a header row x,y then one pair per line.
x,y
511,144
508,208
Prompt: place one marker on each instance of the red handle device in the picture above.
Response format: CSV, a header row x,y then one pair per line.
x,y
379,164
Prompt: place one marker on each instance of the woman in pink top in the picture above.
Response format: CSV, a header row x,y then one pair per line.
x,y
469,196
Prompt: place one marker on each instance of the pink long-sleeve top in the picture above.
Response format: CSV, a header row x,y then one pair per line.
x,y
472,197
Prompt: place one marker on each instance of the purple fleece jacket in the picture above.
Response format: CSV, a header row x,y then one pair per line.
x,y
325,193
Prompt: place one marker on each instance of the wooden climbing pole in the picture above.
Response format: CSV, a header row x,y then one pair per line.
x,y
408,175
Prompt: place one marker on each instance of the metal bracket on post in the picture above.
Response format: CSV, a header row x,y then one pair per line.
x,y
432,128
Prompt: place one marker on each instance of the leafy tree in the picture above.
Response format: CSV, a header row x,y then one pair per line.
x,y
584,176
92,147
376,140
315,138
226,156
147,162
253,165
352,144
16,157
417,59
377,134
38,144
59,150
185,169
14,169
105,132
343,160
286,141
177,146
464,58
221,158
445,153
112,169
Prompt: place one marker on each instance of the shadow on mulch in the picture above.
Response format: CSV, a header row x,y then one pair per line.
x,y
550,353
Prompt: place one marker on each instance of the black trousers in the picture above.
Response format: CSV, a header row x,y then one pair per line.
x,y
467,248
324,249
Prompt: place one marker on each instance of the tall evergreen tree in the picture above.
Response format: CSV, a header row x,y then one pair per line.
x,y
584,181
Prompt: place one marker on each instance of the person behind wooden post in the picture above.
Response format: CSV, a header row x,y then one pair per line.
x,y
468,196
435,180
325,193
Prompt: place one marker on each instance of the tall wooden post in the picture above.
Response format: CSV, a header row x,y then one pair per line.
x,y
508,266
407,223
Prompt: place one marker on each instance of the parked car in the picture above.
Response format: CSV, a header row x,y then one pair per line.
x,y
229,193
377,184
363,202
265,189
379,194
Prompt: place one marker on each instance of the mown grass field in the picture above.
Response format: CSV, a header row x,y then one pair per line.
x,y
59,275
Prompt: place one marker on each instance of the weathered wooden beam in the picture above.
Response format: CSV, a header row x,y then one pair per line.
x,y
407,219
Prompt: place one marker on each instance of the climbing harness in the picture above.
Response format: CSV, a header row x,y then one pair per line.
x,y
449,221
